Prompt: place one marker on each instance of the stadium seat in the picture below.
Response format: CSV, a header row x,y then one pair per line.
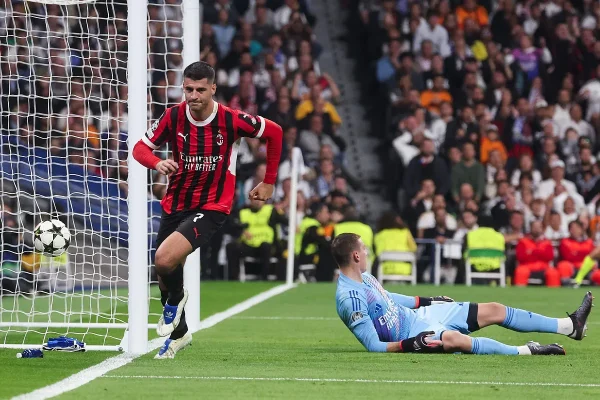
x,y
306,273
397,256
500,273
244,277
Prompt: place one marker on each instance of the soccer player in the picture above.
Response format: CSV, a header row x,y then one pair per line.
x,y
204,138
384,321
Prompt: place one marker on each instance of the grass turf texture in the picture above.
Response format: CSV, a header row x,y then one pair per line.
x,y
310,342
29,374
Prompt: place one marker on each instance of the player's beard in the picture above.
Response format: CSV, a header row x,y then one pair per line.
x,y
198,107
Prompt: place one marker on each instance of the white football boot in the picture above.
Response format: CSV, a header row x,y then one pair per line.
x,y
172,346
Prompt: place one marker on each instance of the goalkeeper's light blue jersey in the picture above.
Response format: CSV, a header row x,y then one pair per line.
x,y
374,315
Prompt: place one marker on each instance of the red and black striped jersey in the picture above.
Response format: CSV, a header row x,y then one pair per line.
x,y
206,152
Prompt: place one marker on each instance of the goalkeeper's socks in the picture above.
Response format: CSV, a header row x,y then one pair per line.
x,y
526,321
586,267
481,345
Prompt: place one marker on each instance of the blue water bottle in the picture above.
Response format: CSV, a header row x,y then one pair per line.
x,y
31,353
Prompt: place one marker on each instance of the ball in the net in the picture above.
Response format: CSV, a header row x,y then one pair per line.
x,y
51,238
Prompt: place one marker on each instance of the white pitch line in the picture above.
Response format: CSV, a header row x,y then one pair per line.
x,y
89,374
289,318
341,380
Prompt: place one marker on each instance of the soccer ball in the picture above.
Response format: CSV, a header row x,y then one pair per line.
x,y
51,238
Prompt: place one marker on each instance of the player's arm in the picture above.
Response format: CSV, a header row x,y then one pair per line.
x,y
262,128
354,314
418,301
158,134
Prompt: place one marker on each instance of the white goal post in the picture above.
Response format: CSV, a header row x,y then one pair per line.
x,y
82,79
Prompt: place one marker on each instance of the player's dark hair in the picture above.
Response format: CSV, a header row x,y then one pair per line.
x,y
199,70
342,247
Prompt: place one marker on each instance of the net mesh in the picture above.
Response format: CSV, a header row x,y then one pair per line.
x,y
64,150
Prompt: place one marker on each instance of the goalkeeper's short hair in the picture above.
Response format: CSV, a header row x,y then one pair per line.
x,y
343,246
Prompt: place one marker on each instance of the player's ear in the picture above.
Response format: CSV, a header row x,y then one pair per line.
x,y
213,88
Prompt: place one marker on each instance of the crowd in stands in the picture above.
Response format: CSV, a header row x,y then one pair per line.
x,y
492,110
64,88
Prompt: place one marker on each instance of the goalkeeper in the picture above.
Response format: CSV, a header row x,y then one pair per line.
x,y
390,322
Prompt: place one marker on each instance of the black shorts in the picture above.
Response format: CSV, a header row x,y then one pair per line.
x,y
196,226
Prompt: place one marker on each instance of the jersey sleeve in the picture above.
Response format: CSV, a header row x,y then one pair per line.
x,y
353,311
160,131
250,126
402,300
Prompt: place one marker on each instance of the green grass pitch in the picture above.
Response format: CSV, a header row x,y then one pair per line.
x,y
294,346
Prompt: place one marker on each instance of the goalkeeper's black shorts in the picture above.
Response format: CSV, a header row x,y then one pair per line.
x,y
196,226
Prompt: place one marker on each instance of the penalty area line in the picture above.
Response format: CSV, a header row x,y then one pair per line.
x,y
341,380
89,374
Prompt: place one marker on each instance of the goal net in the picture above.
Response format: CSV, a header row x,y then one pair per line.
x,y
64,150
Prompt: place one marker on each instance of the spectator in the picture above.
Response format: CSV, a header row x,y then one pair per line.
x,y
554,227
434,32
433,98
306,107
325,179
491,142
460,129
470,171
390,63
441,233
526,166
311,140
439,126
426,165
470,10
547,187
427,219
421,203
224,32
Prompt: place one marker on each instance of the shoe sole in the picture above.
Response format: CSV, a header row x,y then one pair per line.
x,y
163,329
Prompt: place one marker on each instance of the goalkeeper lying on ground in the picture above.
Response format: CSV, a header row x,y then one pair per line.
x,y
384,321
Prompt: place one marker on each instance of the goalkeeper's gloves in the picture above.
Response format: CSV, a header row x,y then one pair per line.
x,y
422,344
427,301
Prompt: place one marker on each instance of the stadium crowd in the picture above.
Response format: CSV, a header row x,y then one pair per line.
x,y
491,109
492,113
64,88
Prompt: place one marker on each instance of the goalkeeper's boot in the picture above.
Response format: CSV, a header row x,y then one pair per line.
x,y
171,316
172,346
580,316
546,349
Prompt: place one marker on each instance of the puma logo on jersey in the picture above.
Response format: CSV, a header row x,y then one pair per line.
x,y
183,136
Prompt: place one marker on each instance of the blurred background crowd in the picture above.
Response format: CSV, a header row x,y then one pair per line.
x,y
490,110
487,113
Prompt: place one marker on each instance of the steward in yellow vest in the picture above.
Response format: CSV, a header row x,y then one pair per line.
x,y
393,235
314,238
258,237
352,224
